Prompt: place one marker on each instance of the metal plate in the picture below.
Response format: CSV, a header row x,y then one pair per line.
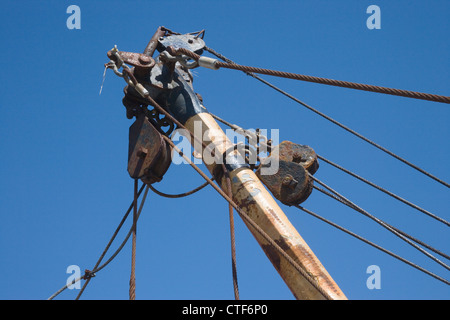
x,y
145,147
291,184
186,41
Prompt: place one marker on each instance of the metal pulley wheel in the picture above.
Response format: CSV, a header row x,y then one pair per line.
x,y
291,183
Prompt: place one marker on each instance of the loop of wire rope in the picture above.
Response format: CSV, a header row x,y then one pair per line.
x,y
245,217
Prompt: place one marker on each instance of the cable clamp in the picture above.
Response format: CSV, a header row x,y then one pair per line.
x,y
208,62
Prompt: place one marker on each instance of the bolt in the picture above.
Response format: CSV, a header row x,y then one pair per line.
x,y
142,152
144,59
289,181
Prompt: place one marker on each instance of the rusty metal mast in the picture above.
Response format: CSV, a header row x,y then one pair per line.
x,y
165,84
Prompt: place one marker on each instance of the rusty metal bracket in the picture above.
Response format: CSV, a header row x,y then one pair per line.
x,y
291,184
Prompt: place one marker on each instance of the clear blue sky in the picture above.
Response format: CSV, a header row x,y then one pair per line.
x,y
64,185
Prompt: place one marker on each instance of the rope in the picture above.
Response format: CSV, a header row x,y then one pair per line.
x,y
331,82
379,221
337,123
373,244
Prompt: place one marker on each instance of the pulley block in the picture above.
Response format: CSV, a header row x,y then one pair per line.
x,y
149,156
291,184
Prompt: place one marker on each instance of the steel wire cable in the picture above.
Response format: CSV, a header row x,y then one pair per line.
x,y
379,188
64,288
96,267
247,219
334,121
331,195
338,83
232,232
128,235
121,245
168,115
380,222
241,213
232,238
179,195
132,290
373,244
385,191
361,179
315,215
